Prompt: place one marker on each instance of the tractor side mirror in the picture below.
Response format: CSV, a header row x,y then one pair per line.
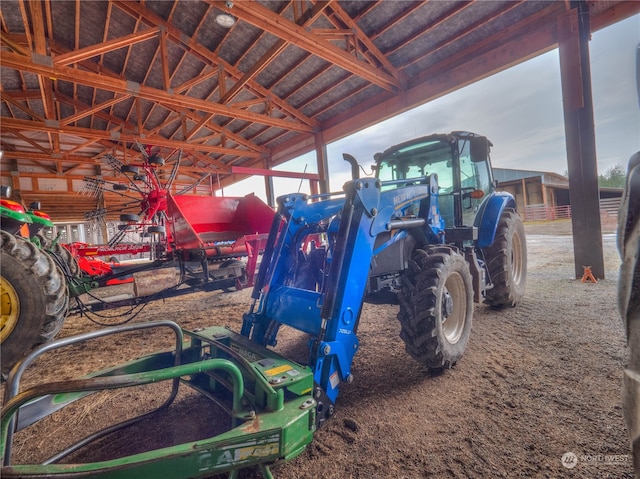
x,y
479,147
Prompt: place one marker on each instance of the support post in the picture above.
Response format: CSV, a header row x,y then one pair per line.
x,y
321,160
269,190
573,35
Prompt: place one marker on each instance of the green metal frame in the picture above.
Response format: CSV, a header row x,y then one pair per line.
x,y
272,412
40,220
15,215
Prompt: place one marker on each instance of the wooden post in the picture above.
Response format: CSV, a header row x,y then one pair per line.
x,y
321,160
574,32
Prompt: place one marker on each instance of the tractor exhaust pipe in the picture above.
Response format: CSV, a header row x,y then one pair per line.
x,y
355,168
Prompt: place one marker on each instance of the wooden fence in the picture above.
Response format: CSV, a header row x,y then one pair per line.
x,y
608,208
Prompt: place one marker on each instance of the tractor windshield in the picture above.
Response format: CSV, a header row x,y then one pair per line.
x,y
419,159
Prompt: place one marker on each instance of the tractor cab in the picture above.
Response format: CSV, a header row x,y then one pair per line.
x,y
461,162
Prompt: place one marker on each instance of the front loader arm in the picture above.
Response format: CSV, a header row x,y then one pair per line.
x,y
329,310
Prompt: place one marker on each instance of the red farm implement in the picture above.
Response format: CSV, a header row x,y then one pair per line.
x,y
202,243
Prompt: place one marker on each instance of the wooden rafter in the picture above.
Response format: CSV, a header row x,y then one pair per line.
x,y
277,48
19,62
204,54
82,54
262,17
228,101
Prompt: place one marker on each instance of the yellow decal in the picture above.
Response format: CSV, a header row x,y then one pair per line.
x,y
279,370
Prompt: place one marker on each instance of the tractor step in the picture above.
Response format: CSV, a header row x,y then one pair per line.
x,y
269,400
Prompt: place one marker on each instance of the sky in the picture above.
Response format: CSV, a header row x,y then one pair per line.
x,y
518,109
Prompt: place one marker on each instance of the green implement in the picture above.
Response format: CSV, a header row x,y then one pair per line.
x,y
269,401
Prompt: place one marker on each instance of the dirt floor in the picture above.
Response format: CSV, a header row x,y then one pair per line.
x,y
537,382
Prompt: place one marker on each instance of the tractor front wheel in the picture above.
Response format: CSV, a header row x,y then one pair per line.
x,y
436,307
33,298
507,262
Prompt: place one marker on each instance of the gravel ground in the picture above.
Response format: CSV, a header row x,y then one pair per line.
x,y
538,382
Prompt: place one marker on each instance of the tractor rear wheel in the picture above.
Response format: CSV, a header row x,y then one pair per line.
x,y
436,306
62,254
629,302
34,298
507,262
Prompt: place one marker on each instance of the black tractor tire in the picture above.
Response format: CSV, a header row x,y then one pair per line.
x,y
35,300
63,254
507,262
629,302
436,306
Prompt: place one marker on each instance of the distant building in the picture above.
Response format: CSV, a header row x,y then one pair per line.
x,y
543,195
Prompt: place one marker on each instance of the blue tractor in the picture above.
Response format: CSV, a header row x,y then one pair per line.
x,y
428,232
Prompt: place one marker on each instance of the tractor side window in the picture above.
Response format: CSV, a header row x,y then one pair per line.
x,y
474,175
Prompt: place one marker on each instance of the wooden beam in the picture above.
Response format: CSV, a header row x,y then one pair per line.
x,y
46,87
265,19
73,118
28,140
205,55
575,74
360,36
82,54
272,53
19,62
164,60
15,46
9,98
54,127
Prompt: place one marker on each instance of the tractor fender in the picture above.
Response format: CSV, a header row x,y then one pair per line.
x,y
489,214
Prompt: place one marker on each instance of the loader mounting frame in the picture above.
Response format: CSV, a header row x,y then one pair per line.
x,y
272,410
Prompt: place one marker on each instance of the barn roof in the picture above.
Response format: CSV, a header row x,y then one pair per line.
x,y
82,79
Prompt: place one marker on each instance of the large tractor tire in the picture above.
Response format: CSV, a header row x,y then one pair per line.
x,y
436,307
63,254
34,298
507,262
629,301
